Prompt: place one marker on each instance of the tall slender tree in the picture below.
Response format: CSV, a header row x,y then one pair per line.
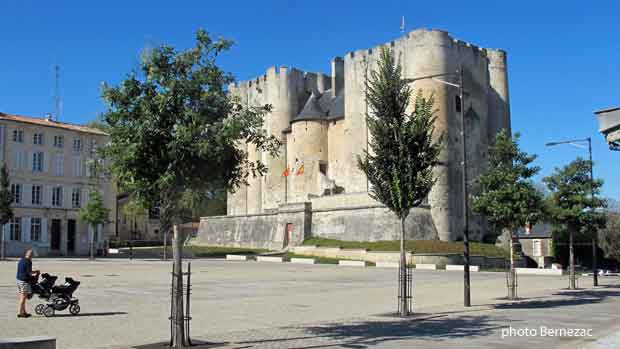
x,y
574,204
174,128
6,212
94,213
403,149
506,195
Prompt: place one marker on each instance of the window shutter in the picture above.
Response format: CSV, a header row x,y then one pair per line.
x,y
24,160
5,231
66,200
30,157
27,194
45,166
16,159
44,230
26,229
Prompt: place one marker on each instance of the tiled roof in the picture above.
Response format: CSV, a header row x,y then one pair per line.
x,y
50,123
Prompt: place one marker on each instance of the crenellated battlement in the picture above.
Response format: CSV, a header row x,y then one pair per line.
x,y
275,74
423,37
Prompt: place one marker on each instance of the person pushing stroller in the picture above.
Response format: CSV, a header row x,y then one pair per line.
x,y
25,274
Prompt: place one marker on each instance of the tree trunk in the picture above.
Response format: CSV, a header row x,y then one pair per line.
x,y
165,256
571,261
92,243
2,247
178,328
404,306
594,260
512,285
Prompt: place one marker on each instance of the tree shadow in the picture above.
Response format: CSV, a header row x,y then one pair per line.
x,y
112,313
570,298
198,344
370,333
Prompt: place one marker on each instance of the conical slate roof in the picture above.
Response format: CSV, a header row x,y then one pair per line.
x,y
312,110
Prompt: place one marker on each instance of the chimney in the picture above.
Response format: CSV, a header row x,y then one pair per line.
x,y
337,76
48,117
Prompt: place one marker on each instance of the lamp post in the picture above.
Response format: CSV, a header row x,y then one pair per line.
x,y
575,142
459,85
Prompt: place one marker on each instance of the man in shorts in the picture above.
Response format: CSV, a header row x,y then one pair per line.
x,y
25,275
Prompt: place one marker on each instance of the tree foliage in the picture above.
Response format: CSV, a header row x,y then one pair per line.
x,y
6,212
609,237
94,212
574,200
404,152
174,128
505,193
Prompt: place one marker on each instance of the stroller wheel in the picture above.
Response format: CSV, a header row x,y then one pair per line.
x,y
74,309
48,311
39,309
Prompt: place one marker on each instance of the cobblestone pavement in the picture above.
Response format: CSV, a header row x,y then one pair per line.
x,y
125,304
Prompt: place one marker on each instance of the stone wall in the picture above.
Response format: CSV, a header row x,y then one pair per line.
x,y
394,257
254,231
333,219
371,223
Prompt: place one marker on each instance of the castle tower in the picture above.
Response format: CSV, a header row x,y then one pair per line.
x,y
309,130
321,121
499,102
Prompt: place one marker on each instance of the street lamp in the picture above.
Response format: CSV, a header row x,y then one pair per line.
x,y
459,85
576,142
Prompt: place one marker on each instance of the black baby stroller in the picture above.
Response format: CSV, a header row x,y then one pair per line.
x,y
43,288
60,298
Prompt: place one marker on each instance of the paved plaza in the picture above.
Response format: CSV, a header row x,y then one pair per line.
x,y
125,304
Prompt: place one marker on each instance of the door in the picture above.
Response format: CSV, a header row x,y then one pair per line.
x,y
71,235
55,243
287,234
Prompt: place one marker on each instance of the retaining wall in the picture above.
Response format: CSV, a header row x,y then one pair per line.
x,y
394,257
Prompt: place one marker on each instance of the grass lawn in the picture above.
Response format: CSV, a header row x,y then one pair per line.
x,y
199,251
416,246
321,260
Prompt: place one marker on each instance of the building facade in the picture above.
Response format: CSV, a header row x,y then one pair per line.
x,y
136,224
50,166
314,186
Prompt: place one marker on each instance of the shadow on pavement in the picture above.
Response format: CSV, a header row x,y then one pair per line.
x,y
569,298
92,314
370,333
195,344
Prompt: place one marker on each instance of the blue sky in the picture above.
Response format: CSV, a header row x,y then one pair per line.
x,y
563,55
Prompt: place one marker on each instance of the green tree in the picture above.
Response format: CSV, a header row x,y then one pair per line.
x,y
6,212
174,128
403,152
94,213
609,237
573,203
98,123
505,193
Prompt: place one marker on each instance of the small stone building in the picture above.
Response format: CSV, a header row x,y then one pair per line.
x,y
537,244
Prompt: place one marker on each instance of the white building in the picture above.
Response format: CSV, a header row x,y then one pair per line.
x,y
49,164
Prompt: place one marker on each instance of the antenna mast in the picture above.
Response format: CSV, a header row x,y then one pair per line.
x,y
402,24
57,91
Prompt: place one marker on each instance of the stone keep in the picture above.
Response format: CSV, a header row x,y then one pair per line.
x,y
320,120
